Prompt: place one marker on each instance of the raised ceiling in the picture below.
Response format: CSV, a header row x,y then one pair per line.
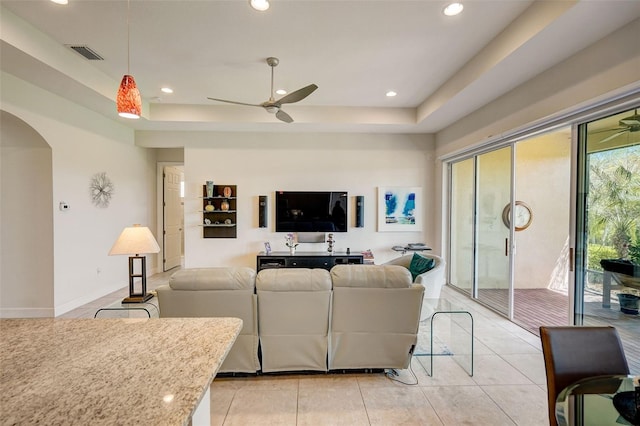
x,y
442,68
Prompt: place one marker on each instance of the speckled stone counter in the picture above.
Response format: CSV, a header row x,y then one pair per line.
x,y
109,371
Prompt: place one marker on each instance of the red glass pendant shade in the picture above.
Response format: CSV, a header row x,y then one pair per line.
x,y
128,102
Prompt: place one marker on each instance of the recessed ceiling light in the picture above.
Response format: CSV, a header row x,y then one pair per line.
x,y
167,90
61,1
281,92
391,94
260,5
453,9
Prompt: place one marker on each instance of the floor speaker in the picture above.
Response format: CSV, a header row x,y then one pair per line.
x,y
359,211
262,211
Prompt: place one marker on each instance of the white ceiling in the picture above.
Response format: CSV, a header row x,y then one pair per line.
x,y
442,68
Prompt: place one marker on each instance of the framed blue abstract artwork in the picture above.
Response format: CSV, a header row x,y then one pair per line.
x,y
399,208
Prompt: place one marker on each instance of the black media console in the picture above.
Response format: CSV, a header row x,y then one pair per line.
x,y
283,259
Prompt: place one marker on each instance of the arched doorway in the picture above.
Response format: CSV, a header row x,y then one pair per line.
x,y
26,221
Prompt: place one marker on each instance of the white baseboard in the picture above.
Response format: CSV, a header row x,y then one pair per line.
x,y
26,313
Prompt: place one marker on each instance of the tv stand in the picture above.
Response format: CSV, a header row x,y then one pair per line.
x,y
309,259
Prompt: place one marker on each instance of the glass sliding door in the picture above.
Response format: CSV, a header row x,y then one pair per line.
x,y
492,237
608,227
542,257
519,270
461,232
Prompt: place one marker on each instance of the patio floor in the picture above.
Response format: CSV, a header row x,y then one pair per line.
x,y
536,307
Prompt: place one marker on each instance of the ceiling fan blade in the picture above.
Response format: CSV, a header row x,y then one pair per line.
x,y
615,135
608,130
298,95
283,116
233,102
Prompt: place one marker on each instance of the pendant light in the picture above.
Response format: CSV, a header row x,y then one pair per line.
x,y
128,101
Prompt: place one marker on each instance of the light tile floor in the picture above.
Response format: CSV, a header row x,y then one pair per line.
x,y
508,386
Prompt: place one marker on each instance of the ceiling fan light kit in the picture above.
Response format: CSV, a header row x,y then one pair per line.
x,y
274,106
128,101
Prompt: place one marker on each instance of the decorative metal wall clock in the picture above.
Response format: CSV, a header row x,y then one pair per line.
x,y
101,190
523,216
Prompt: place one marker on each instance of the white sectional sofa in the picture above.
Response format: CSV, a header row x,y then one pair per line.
x,y
218,292
294,308
375,317
356,317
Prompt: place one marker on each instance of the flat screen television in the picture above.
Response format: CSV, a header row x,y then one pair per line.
x,y
311,211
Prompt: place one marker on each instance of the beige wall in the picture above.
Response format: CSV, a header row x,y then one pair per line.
x,y
81,143
26,225
543,173
260,164
170,155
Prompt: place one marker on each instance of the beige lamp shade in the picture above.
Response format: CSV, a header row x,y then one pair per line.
x,y
135,239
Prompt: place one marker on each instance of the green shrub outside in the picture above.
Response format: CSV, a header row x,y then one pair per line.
x,y
634,253
598,252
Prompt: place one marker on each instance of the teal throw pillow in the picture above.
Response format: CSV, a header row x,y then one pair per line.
x,y
420,265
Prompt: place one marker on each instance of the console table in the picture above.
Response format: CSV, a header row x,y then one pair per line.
x,y
283,259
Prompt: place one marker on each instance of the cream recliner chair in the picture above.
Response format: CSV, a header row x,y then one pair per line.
x,y
432,280
218,292
375,317
293,311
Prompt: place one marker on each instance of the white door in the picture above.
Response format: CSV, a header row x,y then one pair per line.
x,y
173,213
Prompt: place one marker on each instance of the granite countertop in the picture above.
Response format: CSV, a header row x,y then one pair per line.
x,y
109,371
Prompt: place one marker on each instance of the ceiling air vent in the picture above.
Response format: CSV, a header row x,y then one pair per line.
x,y
86,51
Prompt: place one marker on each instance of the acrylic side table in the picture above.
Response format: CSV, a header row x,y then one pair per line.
x,y
460,331
148,309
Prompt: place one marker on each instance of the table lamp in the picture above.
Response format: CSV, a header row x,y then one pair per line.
x,y
136,240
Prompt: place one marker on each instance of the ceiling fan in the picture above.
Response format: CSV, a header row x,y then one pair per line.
x,y
274,106
629,124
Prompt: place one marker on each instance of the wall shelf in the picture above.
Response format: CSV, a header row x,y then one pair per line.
x,y
219,214
219,211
